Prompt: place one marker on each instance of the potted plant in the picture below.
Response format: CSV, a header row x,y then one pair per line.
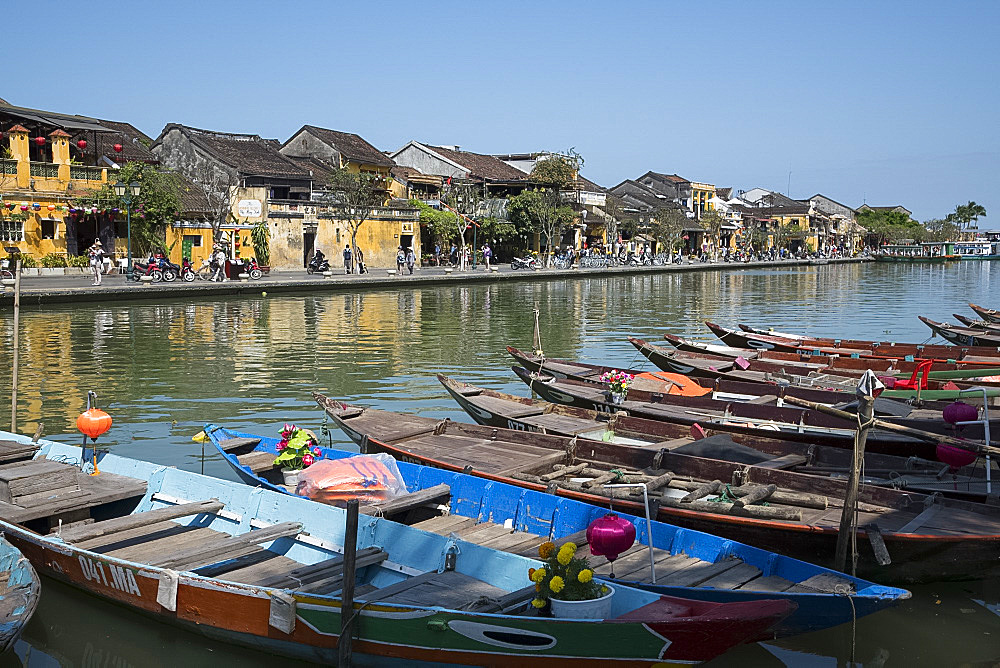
x,y
566,584
297,449
618,384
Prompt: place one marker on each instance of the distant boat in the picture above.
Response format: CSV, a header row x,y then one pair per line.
x,y
19,592
692,564
978,250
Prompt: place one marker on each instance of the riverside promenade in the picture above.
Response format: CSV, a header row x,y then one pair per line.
x,y
39,291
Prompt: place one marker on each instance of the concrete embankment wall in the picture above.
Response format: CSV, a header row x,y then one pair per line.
x,y
112,293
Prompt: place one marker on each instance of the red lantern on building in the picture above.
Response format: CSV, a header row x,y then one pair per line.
x,y
118,148
610,535
40,141
82,144
52,207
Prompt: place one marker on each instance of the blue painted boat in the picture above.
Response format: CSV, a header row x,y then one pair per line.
x,y
19,591
265,570
825,597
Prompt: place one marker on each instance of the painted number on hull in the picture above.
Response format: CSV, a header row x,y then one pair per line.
x,y
114,576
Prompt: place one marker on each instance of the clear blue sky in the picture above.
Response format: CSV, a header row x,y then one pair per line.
x,y
893,103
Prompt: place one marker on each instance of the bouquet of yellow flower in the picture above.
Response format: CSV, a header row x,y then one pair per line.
x,y
565,576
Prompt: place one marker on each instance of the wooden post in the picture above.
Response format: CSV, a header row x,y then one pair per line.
x,y
866,410
347,593
17,344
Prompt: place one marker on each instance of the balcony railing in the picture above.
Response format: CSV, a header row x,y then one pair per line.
x,y
8,167
81,173
45,170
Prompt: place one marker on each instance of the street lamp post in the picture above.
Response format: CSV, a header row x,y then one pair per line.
x,y
127,192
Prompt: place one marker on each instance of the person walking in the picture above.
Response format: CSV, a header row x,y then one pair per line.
x,y
96,255
348,259
487,256
453,255
218,263
400,259
437,254
411,259
359,260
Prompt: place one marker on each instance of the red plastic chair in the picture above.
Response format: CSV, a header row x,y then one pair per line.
x,y
923,370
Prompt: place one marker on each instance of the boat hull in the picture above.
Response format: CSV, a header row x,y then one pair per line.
x,y
915,559
20,593
563,517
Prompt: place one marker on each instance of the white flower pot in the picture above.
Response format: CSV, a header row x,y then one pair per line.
x,y
616,398
595,608
291,476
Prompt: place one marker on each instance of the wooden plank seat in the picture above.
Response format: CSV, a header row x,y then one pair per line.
x,y
436,494
326,574
93,491
146,542
444,524
449,589
739,576
222,549
770,583
783,462
257,461
136,520
239,443
506,407
12,451
825,582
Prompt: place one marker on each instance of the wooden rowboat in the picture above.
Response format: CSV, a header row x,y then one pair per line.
x,y
19,592
769,417
262,569
986,325
689,564
926,538
989,314
730,388
942,353
956,369
498,409
961,336
837,376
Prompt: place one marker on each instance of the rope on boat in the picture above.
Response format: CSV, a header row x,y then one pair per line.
x,y
861,477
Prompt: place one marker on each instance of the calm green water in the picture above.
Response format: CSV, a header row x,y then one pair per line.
x,y
165,370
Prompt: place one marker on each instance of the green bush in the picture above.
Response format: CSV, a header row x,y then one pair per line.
x,y
53,261
78,261
28,262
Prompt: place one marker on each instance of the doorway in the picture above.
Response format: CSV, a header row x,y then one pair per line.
x,y
406,241
308,246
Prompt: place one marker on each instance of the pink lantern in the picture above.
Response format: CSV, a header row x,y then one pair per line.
x,y
610,535
24,207
954,457
959,411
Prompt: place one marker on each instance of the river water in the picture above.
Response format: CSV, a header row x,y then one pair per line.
x,y
164,370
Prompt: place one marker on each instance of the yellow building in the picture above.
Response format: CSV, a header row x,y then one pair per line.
x,y
39,179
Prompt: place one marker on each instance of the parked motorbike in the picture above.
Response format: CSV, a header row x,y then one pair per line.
x,y
170,270
187,270
249,266
150,268
523,263
317,266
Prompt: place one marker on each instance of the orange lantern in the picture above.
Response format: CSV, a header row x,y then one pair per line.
x,y
93,422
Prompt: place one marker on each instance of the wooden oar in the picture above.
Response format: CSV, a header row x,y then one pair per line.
x,y
929,436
